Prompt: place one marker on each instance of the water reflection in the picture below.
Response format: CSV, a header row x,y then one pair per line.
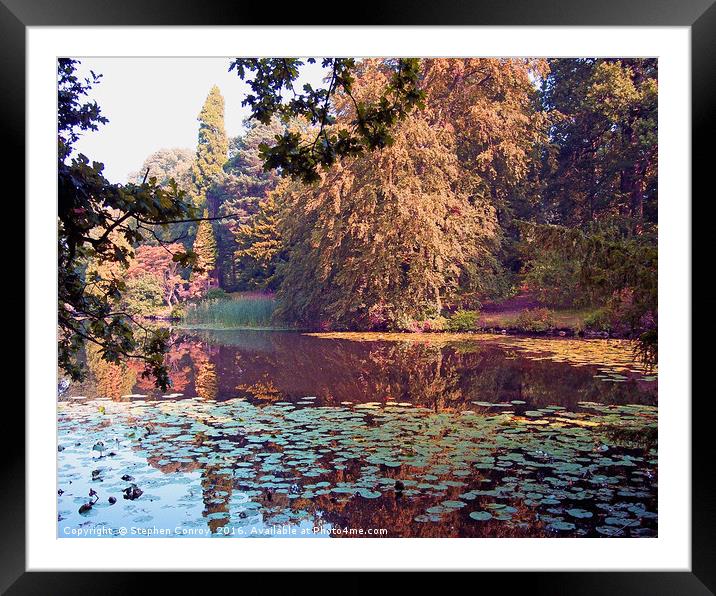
x,y
471,438
273,366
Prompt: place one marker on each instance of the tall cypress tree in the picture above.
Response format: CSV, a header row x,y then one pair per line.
x,y
212,148
205,249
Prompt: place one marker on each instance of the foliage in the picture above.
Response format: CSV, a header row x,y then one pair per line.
x,y
159,262
501,131
243,187
617,268
369,127
245,166
143,295
205,251
486,278
260,250
434,325
178,311
211,149
93,215
533,320
166,165
553,277
598,320
603,159
463,320
492,104
407,324
217,294
385,236
247,310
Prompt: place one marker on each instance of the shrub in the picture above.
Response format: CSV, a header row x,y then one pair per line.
x,y
554,279
598,320
143,295
405,323
216,294
533,320
178,311
435,324
463,320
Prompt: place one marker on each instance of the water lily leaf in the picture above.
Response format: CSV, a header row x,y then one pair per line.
x,y
579,513
481,515
561,526
453,504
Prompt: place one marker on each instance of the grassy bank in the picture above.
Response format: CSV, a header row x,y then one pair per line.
x,y
521,316
575,320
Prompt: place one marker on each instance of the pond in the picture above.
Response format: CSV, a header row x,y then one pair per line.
x,y
268,433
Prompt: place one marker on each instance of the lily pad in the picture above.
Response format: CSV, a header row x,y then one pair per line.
x,y
481,515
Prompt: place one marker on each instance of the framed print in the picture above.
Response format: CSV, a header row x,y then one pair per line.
x,y
379,296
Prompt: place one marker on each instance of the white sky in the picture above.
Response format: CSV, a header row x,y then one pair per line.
x,y
153,103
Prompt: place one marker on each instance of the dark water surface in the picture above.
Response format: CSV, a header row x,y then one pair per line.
x,y
276,433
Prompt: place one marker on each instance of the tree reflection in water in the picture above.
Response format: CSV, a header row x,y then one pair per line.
x,y
269,366
398,435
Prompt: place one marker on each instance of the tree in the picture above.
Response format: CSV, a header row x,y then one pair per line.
x,y
92,216
260,250
250,178
165,165
385,237
299,157
205,251
244,186
605,140
212,148
143,294
492,104
158,262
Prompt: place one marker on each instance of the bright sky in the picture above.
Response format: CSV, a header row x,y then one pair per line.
x,y
153,103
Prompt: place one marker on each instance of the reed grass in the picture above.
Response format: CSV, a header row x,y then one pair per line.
x,y
233,312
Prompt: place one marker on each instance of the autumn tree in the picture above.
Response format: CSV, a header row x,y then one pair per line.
x,y
492,105
158,262
385,237
299,156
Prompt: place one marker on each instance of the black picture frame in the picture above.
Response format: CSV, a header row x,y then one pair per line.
x,y
699,15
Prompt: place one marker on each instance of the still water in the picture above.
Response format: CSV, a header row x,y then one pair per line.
x,y
285,434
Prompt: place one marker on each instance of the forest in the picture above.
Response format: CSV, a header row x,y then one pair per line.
x,y
407,195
